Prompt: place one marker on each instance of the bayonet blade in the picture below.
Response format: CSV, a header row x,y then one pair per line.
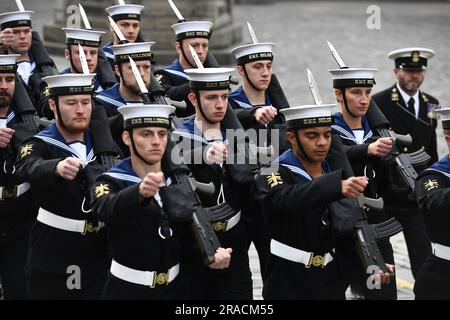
x,y
176,11
336,56
313,88
20,5
83,60
137,76
196,58
121,2
117,30
87,25
252,33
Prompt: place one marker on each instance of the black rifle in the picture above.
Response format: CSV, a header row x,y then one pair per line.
x,y
201,219
403,162
367,235
44,64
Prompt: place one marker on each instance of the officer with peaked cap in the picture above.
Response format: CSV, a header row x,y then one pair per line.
x,y
174,78
128,19
144,246
433,197
34,62
295,193
16,203
209,95
68,256
353,88
410,111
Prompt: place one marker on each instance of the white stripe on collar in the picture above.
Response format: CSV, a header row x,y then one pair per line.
x,y
178,73
349,135
109,55
10,117
443,172
61,145
298,171
243,104
110,100
130,178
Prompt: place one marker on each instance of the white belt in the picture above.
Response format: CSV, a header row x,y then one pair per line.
x,y
67,224
440,251
145,278
19,190
227,224
296,255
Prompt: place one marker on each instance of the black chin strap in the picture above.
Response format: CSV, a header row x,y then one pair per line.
x,y
345,103
133,146
71,61
184,55
301,150
58,112
248,78
199,104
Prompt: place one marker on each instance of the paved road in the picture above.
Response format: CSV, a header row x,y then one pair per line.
x,y
300,30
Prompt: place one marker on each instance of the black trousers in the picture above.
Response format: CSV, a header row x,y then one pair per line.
x,y
433,280
416,236
257,233
44,286
13,257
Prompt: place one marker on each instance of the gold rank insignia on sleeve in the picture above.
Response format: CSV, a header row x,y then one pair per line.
x,y
431,184
274,180
46,92
158,78
26,150
101,190
424,97
394,94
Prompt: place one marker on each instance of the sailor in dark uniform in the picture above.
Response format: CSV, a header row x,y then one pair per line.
x,y
433,197
174,78
209,95
16,203
410,111
34,62
295,192
128,19
68,256
353,87
253,105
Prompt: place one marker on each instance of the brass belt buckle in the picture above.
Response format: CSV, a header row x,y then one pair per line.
x,y
220,226
10,195
89,227
316,261
160,279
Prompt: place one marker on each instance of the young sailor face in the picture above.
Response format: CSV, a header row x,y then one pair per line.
x,y
358,100
200,46
75,111
214,104
91,54
7,86
130,29
150,142
315,141
409,80
130,81
22,39
259,72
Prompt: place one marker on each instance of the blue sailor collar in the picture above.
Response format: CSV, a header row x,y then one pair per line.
x,y
240,97
191,131
108,51
290,161
10,116
125,172
442,166
112,97
51,135
345,132
176,69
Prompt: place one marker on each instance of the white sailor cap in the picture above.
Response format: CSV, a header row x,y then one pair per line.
x,y
146,115
353,77
411,58
253,52
445,117
209,78
15,19
137,51
192,29
69,84
125,12
308,116
8,63
85,37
